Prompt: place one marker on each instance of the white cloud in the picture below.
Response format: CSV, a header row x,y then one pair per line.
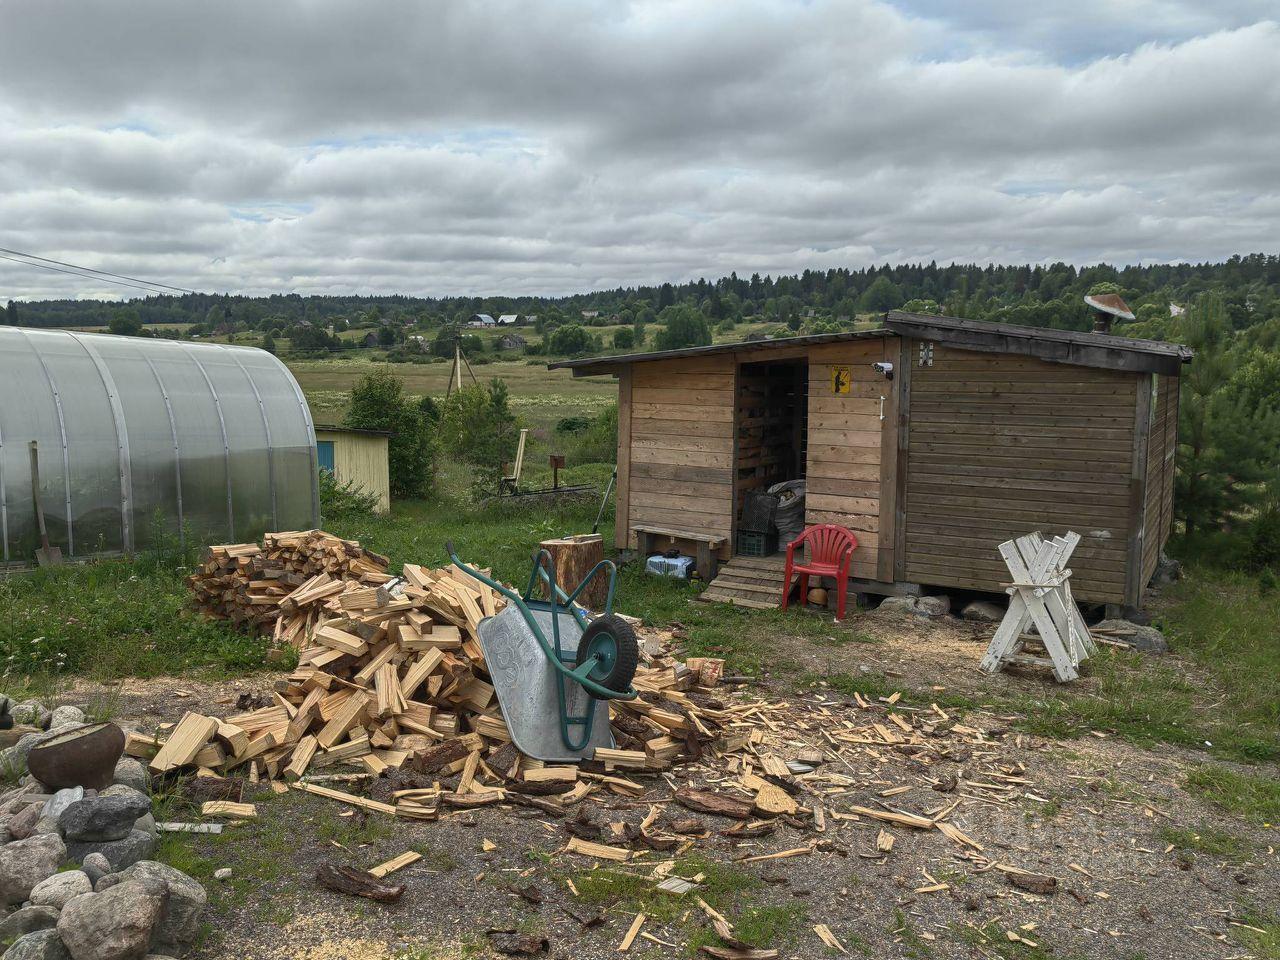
x,y
441,148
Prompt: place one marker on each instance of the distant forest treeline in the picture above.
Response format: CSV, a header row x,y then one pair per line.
x,y
1248,287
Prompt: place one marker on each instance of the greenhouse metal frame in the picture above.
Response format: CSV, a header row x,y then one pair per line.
x,y
142,439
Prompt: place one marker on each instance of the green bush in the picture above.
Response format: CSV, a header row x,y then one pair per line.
x,y
378,403
343,501
569,339
685,327
572,424
624,338
598,443
478,427
1263,549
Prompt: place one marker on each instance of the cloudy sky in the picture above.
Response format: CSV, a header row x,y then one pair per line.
x,y
451,147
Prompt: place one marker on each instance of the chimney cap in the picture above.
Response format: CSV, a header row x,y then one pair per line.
x,y
1110,303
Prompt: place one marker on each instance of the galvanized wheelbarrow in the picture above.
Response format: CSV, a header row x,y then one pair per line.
x,y
555,694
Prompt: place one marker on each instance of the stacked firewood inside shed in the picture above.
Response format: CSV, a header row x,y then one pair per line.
x,y
391,681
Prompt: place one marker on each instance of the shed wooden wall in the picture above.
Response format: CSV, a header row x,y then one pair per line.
x,y
999,445
675,446
361,459
846,459
1162,450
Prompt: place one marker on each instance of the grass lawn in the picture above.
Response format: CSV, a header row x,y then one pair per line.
x,y
119,618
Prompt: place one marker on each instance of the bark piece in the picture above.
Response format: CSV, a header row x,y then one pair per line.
x,y
357,883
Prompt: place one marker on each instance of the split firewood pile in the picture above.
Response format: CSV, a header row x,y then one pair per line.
x,y
280,586
391,678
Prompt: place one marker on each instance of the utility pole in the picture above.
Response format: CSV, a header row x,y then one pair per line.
x,y
455,375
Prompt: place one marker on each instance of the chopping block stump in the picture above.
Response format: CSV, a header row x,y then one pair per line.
x,y
574,557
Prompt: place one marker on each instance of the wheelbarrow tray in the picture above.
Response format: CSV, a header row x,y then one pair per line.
x,y
526,684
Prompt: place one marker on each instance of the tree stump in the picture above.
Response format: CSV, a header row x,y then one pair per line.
x,y
574,557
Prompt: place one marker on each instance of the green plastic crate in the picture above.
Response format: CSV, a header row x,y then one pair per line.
x,y
757,543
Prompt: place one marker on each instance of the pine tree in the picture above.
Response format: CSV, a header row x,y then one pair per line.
x,y
1228,443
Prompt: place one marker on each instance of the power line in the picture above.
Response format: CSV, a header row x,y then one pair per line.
x,y
104,273
82,276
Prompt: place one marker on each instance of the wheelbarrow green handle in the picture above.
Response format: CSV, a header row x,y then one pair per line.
x,y
553,655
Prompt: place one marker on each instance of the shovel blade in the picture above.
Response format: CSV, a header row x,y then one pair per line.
x,y
49,556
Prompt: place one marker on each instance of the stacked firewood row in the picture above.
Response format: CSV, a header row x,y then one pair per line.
x,y
275,587
391,681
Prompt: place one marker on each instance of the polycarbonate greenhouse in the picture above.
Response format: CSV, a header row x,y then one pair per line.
x,y
140,439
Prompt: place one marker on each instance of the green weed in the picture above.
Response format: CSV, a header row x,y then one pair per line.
x,y
1259,934
1254,797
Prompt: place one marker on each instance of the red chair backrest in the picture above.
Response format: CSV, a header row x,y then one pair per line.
x,y
829,543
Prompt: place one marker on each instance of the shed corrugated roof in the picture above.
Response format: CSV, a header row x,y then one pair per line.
x,y
588,365
1061,346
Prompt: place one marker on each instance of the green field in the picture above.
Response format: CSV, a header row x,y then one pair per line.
x,y
538,395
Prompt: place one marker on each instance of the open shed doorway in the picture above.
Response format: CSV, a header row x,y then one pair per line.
x,y
771,429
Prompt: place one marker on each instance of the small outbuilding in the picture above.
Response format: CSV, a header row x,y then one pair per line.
x,y
933,439
359,458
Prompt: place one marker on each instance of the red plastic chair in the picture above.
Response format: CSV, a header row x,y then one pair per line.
x,y
831,551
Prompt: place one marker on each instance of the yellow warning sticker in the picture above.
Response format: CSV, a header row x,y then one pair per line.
x,y
841,379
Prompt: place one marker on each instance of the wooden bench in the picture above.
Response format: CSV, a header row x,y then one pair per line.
x,y
707,545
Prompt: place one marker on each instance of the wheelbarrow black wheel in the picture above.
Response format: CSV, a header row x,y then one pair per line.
x,y
610,641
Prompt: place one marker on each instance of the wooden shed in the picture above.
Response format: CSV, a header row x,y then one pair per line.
x,y
933,438
358,457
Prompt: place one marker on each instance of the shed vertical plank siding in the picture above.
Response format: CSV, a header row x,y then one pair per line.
x,y
1000,445
622,492
843,468
1157,519
681,450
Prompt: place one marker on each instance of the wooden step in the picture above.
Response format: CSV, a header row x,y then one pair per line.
x,y
746,589
715,596
749,578
777,562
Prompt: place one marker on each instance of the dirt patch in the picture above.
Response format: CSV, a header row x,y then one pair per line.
x,y
1100,816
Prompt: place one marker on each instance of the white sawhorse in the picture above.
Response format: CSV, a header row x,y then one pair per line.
x,y
1040,596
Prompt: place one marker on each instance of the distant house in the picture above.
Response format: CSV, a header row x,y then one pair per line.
x,y
1176,311
512,341
481,320
590,314
508,319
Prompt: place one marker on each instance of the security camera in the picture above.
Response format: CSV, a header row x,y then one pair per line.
x,y
883,367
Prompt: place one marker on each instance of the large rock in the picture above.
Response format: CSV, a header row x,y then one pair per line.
x,y
58,890
42,945
108,816
138,845
31,712
96,866
14,800
66,716
64,798
180,921
983,611
27,920
130,773
24,863
1145,639
938,606
116,924
23,823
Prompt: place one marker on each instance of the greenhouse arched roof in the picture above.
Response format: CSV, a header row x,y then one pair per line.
x,y
139,439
